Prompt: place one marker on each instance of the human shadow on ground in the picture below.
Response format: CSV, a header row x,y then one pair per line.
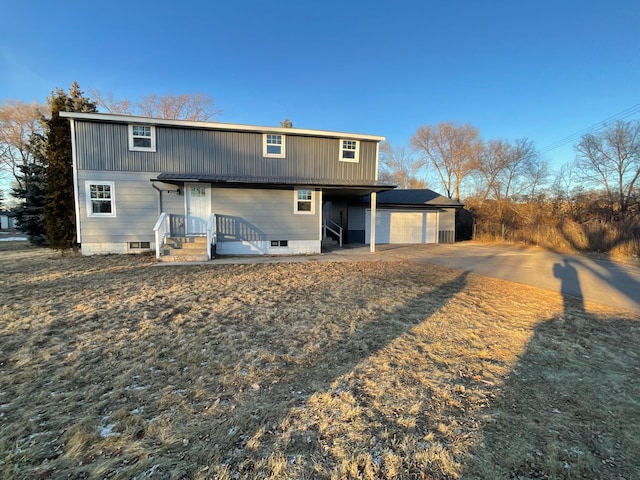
x,y
570,407
569,285
606,270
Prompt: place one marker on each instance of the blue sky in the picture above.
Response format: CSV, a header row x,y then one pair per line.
x,y
538,69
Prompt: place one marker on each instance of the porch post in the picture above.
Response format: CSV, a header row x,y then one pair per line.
x,y
372,223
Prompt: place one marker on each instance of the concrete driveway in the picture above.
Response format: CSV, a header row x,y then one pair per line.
x,y
595,280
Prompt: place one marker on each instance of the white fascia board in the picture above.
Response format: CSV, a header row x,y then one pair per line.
x,y
76,187
107,117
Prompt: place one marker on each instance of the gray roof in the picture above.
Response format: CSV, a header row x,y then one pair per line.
x,y
415,197
273,181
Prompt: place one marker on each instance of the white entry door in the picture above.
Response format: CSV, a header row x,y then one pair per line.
x,y
198,206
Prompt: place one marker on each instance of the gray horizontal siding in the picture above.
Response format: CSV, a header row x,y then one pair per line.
x,y
136,208
184,150
254,215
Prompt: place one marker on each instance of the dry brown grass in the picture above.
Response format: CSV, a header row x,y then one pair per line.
x,y
111,367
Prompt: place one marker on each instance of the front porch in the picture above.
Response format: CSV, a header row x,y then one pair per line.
x,y
252,221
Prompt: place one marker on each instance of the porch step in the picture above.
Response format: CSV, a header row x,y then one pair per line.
x,y
201,257
184,249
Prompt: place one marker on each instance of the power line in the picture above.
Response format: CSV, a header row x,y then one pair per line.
x,y
626,113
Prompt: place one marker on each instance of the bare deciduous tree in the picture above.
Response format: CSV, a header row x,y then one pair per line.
x,y
187,106
610,159
18,122
399,167
451,150
509,170
286,123
110,104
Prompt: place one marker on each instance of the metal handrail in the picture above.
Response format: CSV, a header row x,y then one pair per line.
x,y
212,235
337,232
161,229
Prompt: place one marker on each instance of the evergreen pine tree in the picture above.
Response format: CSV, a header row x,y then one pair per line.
x,y
59,210
32,190
30,213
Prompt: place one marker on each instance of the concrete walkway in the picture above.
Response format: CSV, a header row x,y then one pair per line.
x,y
597,280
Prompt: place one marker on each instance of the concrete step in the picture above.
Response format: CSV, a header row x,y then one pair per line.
x,y
198,239
186,242
171,250
196,257
185,246
184,249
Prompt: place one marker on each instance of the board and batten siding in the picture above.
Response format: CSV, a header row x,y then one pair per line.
x,y
253,215
104,146
136,208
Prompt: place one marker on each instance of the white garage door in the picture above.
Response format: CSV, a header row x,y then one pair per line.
x,y
401,226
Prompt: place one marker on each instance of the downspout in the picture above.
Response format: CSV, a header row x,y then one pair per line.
x,y
159,197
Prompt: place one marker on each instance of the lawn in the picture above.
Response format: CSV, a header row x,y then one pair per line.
x,y
114,367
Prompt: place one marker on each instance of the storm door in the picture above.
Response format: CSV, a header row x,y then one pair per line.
x,y
198,206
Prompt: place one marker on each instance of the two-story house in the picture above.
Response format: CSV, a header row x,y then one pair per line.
x,y
186,189
152,184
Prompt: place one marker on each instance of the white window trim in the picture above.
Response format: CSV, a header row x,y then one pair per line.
x,y
356,158
295,202
87,194
133,148
282,153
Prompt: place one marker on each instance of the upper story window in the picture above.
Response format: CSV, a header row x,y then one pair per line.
x,y
349,151
101,199
303,201
273,145
142,138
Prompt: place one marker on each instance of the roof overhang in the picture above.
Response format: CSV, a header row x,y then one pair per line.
x,y
128,119
353,187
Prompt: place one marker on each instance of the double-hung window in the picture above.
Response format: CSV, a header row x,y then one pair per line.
x,y
349,150
273,145
101,199
303,201
142,138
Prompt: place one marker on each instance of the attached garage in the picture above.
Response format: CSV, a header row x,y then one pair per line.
x,y
405,216
403,226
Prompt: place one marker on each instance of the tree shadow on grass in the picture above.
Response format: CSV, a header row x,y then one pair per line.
x,y
138,369
571,406
300,430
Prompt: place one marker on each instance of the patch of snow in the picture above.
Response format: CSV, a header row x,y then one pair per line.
x,y
107,431
13,239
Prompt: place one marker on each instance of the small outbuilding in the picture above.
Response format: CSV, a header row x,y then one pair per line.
x,y
7,220
410,216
